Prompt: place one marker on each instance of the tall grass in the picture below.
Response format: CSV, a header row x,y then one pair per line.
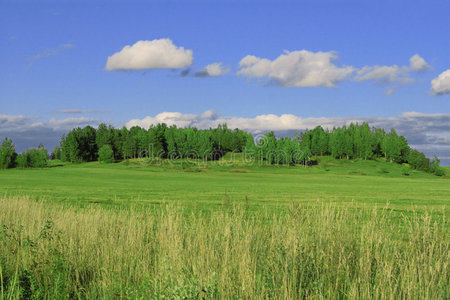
x,y
51,251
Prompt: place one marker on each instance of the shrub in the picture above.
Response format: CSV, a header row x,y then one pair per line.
x,y
405,171
38,158
33,158
106,154
439,172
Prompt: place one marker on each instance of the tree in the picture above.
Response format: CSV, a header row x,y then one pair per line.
x,y
319,141
37,158
394,147
56,153
103,135
435,168
418,161
22,161
33,158
367,141
8,154
106,154
155,142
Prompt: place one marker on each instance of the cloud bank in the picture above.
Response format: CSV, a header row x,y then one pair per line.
x,y
155,54
27,132
441,84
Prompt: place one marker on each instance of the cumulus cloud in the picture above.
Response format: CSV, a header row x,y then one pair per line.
x,y
441,84
311,69
213,70
155,54
297,69
417,63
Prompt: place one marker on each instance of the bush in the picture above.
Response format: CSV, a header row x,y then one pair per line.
x,y
33,158
439,172
106,154
38,158
405,171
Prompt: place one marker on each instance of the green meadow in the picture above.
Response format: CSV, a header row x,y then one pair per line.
x,y
228,229
194,183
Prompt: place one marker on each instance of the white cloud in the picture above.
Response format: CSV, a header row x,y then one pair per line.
x,y
297,69
441,84
155,54
213,70
384,74
50,52
69,123
392,75
417,63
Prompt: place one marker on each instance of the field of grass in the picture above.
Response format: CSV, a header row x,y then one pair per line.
x,y
224,230
364,182
55,252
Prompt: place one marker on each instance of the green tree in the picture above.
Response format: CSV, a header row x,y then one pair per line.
x,y
37,157
56,153
8,154
106,154
22,161
395,148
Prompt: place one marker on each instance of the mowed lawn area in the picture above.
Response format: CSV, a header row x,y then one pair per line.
x,y
209,185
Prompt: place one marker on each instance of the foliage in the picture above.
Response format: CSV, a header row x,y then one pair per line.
x,y
33,158
106,154
352,142
7,154
56,153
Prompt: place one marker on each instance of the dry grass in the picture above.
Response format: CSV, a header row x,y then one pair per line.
x,y
51,251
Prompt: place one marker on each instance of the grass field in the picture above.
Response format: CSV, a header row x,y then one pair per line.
x,y
364,182
224,230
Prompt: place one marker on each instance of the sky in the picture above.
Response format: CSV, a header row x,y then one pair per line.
x,y
257,65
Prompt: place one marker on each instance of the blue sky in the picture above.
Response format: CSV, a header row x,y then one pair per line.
x,y
53,56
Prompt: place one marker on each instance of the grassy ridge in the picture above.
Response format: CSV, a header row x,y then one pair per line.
x,y
50,251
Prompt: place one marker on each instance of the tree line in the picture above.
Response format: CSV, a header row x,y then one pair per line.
x,y
108,144
347,142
